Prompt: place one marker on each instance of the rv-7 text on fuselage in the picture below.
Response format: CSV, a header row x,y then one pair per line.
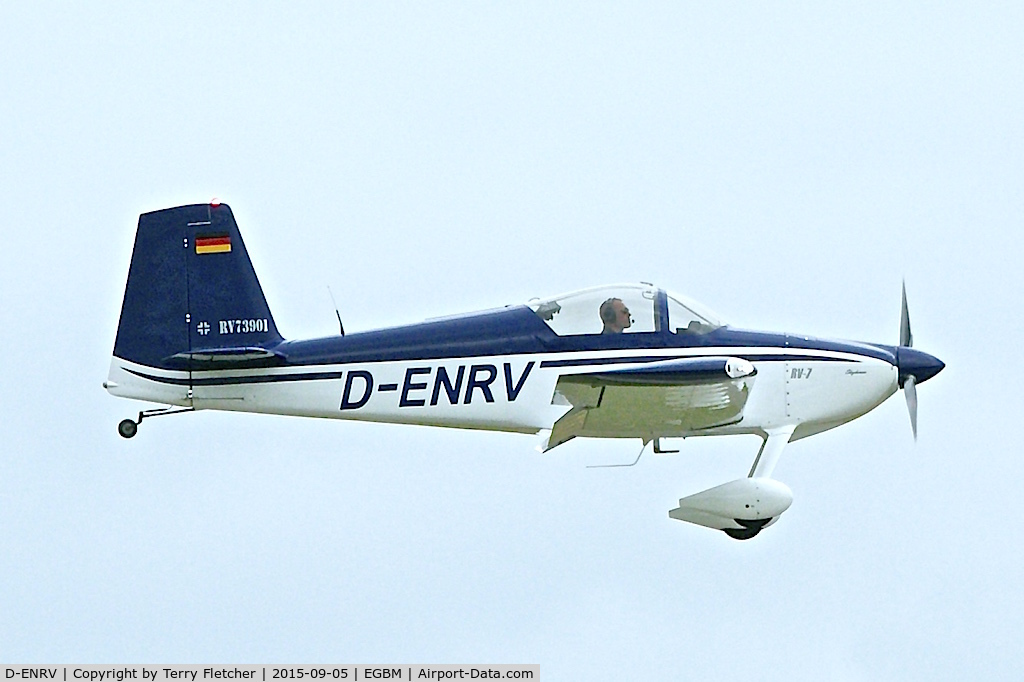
x,y
628,361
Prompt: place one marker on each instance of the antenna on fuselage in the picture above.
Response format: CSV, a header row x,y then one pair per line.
x,y
341,327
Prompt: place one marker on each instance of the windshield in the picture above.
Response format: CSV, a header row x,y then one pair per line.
x,y
689,317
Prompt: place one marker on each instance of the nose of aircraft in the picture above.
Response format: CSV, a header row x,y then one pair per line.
x,y
914,363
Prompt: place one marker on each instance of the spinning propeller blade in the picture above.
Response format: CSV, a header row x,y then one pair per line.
x,y
910,391
913,365
906,338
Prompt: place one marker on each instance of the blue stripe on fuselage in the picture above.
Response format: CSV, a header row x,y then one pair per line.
x,y
518,331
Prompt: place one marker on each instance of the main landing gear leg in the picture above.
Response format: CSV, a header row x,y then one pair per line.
x,y
128,428
774,441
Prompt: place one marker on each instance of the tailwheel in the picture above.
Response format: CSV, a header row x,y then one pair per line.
x,y
127,428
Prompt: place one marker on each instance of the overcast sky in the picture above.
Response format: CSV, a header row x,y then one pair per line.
x,y
786,164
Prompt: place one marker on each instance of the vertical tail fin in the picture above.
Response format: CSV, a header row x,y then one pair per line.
x,y
191,288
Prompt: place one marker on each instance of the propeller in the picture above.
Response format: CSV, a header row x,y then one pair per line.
x,y
914,366
906,337
910,383
910,391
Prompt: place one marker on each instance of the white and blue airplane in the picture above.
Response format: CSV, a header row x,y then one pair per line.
x,y
627,361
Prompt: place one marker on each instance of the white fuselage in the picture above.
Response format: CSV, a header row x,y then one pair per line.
x,y
814,391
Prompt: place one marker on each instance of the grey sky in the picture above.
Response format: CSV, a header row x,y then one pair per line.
x,y
784,163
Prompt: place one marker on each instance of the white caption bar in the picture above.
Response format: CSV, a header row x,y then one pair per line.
x,y
264,673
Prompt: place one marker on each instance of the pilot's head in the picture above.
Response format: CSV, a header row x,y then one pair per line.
x,y
615,316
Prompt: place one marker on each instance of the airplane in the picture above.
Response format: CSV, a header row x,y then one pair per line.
x,y
626,361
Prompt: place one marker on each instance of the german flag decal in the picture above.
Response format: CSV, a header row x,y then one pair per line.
x,y
213,243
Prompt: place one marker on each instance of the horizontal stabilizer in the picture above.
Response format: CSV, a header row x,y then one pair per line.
x,y
226,356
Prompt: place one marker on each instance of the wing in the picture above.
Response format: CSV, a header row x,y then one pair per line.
x,y
654,400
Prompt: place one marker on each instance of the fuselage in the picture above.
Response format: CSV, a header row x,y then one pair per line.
x,y
498,370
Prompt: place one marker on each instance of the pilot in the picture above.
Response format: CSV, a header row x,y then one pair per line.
x,y
615,316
